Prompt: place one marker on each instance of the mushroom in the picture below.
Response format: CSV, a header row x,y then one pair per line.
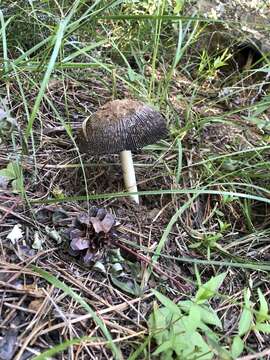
x,y
122,126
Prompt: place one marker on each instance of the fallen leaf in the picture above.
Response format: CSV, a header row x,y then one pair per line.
x,y
83,219
16,234
51,213
44,215
35,304
54,234
25,251
8,345
79,244
98,266
88,257
127,285
38,241
75,233
59,216
104,225
3,182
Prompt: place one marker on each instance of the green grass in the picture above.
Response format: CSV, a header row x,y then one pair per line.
x,y
212,199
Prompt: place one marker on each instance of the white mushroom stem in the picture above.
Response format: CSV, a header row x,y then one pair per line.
x,y
129,174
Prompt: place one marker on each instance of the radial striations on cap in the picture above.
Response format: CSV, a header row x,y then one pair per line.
x,y
121,125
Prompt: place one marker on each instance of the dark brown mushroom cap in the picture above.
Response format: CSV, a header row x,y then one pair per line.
x,y
121,125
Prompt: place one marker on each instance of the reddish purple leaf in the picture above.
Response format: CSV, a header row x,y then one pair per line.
x,y
79,244
75,234
88,256
104,225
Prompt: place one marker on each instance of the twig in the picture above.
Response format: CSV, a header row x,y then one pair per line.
x,y
255,356
156,268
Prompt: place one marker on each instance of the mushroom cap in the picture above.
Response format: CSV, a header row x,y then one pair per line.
x,y
121,125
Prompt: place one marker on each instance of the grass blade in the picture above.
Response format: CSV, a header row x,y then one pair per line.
x,y
61,347
58,43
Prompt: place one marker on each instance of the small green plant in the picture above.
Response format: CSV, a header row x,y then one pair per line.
x,y
210,240
13,172
7,122
251,320
209,66
183,330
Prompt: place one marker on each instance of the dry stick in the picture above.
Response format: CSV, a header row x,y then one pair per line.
x,y
119,327
9,316
42,313
21,217
68,277
28,339
84,317
24,269
255,356
148,262
17,307
12,289
9,198
9,210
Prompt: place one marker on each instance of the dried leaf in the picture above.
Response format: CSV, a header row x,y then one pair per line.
x,y
38,241
35,304
59,216
104,225
79,244
44,215
83,219
98,266
25,251
16,234
75,233
88,257
8,345
52,214
54,234
3,182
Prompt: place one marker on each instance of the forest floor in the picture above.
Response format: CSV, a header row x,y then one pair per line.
x,y
182,275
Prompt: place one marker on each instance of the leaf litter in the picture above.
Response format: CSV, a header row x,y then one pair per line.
x,y
8,344
83,235
16,234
